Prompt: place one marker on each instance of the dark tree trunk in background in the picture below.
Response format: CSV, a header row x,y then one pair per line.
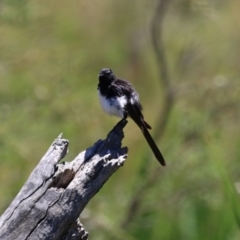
x,y
50,202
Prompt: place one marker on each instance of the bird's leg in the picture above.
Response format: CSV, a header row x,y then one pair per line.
x,y
125,115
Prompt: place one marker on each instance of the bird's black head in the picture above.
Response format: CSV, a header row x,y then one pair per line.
x,y
106,76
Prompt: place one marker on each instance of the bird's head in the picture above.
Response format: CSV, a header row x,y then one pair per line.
x,y
106,76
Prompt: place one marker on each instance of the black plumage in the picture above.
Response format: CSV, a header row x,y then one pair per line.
x,y
118,97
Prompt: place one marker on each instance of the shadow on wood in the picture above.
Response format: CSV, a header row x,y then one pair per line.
x,y
50,202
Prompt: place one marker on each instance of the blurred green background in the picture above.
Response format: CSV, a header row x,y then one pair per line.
x,y
50,55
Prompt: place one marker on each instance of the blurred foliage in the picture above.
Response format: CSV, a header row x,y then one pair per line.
x,y
50,56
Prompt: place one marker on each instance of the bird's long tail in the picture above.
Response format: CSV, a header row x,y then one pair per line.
x,y
144,126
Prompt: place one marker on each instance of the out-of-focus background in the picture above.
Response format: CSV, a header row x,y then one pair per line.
x,y
50,55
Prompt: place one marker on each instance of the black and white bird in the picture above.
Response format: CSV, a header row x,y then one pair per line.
x,y
119,98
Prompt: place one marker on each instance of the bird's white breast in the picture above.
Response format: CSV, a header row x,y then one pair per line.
x,y
113,106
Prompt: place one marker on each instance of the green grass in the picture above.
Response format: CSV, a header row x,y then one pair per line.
x,y
50,56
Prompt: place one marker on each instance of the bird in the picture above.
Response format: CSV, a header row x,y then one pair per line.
x,y
118,97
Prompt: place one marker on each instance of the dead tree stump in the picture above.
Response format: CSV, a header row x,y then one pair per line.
x,y
55,194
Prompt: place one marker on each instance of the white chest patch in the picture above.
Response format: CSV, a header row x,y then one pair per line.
x,y
113,106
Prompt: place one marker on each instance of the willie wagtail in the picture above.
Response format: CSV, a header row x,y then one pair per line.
x,y
118,97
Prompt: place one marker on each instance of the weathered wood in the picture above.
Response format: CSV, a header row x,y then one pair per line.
x,y
50,202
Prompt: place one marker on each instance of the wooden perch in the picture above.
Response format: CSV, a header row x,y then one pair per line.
x,y
50,202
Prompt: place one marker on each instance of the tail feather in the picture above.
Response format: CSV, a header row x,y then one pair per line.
x,y
147,125
144,126
154,147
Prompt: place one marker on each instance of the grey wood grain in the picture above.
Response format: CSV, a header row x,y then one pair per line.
x,y
51,200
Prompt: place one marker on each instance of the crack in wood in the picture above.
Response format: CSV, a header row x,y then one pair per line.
x,y
41,220
56,193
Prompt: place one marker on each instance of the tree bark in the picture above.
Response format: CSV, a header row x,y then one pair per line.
x,y
50,202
